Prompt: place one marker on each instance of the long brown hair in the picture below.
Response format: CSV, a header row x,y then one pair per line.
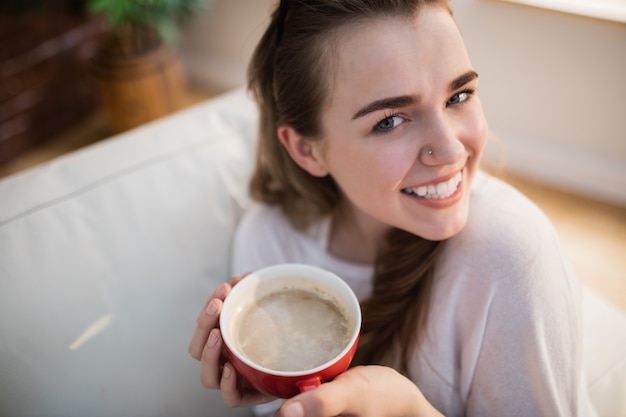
x,y
289,78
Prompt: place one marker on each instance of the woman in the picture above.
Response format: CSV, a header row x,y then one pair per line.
x,y
371,135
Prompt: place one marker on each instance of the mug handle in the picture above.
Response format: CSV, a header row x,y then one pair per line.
x,y
309,384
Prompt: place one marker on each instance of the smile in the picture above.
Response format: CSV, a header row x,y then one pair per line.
x,y
436,191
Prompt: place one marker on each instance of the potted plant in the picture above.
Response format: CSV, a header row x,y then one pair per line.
x,y
140,76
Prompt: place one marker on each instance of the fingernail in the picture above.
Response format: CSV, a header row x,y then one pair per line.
x,y
221,291
293,410
212,340
211,309
227,371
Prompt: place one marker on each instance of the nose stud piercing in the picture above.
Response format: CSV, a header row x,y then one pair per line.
x,y
429,151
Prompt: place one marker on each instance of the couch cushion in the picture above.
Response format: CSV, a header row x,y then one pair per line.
x,y
106,256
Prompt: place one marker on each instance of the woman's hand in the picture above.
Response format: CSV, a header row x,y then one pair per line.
x,y
206,346
363,391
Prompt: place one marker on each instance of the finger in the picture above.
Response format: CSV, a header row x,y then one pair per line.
x,y
236,279
293,409
210,360
220,293
228,386
238,393
324,401
208,320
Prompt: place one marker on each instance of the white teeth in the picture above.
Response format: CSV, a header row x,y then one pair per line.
x,y
437,191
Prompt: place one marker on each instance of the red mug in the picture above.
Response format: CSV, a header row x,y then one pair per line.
x,y
257,285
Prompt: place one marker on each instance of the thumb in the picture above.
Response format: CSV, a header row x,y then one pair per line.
x,y
324,401
292,409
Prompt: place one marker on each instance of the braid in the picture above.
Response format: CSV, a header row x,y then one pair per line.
x,y
399,303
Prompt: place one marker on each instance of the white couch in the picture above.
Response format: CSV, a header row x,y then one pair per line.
x,y
107,254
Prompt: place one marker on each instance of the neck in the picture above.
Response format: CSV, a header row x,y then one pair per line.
x,y
355,236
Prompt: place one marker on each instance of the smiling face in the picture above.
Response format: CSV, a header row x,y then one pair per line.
x,y
403,130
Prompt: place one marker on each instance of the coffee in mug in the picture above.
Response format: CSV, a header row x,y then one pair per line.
x,y
289,328
293,330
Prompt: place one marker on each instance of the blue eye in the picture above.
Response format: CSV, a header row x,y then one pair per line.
x,y
388,123
460,97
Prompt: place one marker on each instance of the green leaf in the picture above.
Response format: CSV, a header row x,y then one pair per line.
x,y
160,15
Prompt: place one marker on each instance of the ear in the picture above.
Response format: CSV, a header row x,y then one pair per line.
x,y
305,153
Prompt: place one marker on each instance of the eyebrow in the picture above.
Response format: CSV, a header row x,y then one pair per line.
x,y
385,103
403,101
460,81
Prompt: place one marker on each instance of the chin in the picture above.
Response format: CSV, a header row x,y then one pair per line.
x,y
438,236
443,229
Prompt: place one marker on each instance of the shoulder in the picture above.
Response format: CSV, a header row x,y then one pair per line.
x,y
259,238
501,214
265,236
260,218
507,241
507,266
508,300
504,225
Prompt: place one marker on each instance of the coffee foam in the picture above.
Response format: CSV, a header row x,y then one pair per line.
x,y
315,331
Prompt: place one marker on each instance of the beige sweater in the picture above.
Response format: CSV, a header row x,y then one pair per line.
x,y
504,334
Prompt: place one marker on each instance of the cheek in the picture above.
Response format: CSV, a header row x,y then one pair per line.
x,y
368,169
477,132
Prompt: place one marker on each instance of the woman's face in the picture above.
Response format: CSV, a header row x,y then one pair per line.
x,y
404,129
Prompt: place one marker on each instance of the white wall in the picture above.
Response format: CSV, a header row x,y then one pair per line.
x,y
217,44
553,85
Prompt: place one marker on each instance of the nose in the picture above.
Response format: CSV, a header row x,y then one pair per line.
x,y
443,144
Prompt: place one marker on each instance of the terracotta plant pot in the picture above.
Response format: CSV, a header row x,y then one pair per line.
x,y
140,88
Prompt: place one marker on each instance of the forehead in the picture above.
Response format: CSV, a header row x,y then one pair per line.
x,y
395,56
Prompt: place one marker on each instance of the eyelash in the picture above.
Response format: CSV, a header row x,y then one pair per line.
x,y
377,129
470,93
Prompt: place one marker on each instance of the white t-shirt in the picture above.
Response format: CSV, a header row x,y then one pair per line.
x,y
504,331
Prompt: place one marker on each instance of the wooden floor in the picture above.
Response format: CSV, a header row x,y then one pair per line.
x,y
593,233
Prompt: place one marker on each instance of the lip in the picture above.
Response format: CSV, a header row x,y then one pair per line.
x,y
439,180
449,201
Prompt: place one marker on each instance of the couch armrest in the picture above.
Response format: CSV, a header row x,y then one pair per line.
x,y
107,254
